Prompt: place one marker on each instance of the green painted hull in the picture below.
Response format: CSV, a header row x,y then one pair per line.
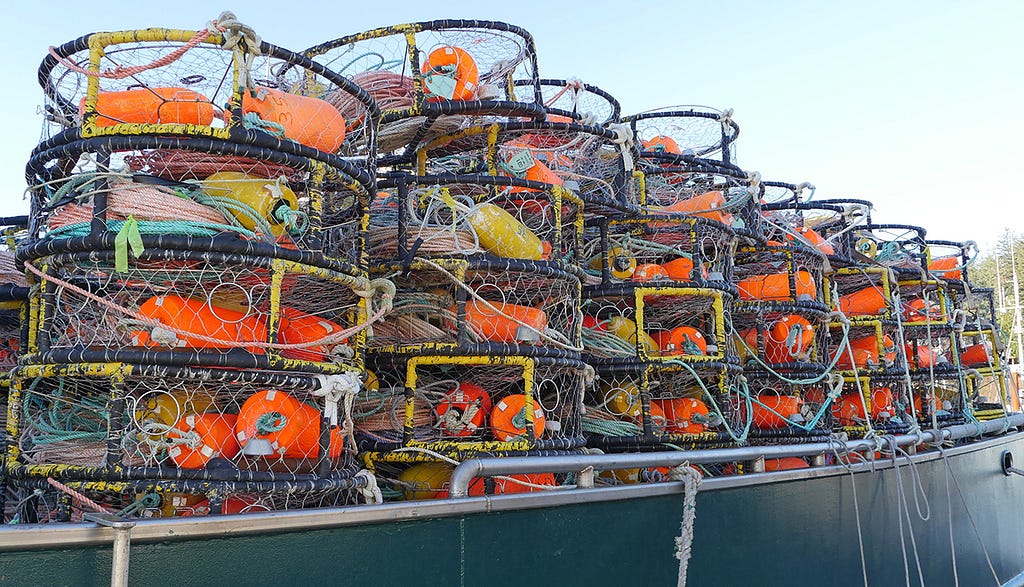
x,y
793,528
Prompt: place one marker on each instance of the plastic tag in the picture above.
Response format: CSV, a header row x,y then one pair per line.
x,y
441,85
520,162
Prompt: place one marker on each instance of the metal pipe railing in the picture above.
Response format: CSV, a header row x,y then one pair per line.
x,y
490,466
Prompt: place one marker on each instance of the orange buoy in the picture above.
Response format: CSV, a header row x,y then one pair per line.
x,y
519,160
849,410
521,483
867,301
946,267
681,269
785,464
815,239
777,411
704,205
919,310
297,328
202,318
977,355
291,427
659,423
508,418
924,358
775,287
203,437
681,340
449,73
649,272
464,410
788,339
684,415
310,121
662,144
151,106
502,323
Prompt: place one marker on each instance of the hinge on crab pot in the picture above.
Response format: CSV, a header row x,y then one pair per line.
x,y
128,192
480,306
445,408
656,248
571,100
630,322
220,83
186,306
188,435
779,275
653,407
435,77
594,162
444,216
882,404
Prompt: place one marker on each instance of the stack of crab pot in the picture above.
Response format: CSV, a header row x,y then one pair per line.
x,y
658,302
478,221
199,285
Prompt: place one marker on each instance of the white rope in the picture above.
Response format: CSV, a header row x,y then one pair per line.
x,y
684,542
371,493
624,139
335,388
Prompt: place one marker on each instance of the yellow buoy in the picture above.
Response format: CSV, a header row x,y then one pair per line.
x,y
625,329
268,198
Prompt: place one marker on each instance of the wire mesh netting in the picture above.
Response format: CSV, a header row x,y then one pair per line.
x,y
686,130
571,99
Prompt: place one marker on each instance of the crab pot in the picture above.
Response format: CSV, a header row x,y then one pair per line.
x,y
779,276
683,250
659,324
205,189
940,397
684,184
924,303
989,389
900,246
790,340
950,260
934,350
978,305
643,407
879,403
783,412
180,306
227,429
462,406
864,295
449,216
870,347
825,225
480,306
288,103
432,78
705,132
571,100
591,161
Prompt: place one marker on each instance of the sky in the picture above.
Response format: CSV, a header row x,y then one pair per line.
x,y
916,106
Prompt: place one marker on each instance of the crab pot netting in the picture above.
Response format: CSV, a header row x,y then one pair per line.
x,y
940,396
674,324
784,194
982,349
589,160
647,406
176,425
461,406
949,261
681,249
978,305
866,347
924,302
436,77
571,99
781,339
463,215
935,350
882,404
990,386
900,246
699,187
480,307
863,294
781,411
700,132
772,276
824,226
176,307
277,99
198,188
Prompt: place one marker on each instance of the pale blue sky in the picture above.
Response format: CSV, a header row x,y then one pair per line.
x,y
914,105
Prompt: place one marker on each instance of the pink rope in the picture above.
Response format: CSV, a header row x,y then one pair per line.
x,y
152,323
78,496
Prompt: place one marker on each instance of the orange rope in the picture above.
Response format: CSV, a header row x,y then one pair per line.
x,y
80,497
120,72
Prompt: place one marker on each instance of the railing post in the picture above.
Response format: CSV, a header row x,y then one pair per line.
x,y
122,545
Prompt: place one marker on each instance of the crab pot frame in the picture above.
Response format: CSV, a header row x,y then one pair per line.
x,y
618,249
389,63
891,417
774,339
771,422
875,345
111,423
415,217
571,99
641,398
779,276
85,106
692,320
158,181
590,160
480,306
667,182
232,298
865,295
989,390
831,220
438,420
702,133
950,260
